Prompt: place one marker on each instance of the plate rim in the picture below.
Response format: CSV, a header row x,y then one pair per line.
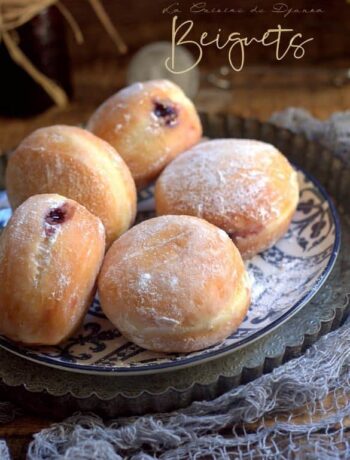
x,y
90,369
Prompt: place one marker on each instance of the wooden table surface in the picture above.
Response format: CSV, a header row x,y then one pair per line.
x,y
255,93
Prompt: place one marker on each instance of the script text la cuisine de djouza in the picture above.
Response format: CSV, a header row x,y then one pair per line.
x,y
283,40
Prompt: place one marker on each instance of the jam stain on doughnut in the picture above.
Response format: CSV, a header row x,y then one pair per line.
x,y
245,233
166,112
57,216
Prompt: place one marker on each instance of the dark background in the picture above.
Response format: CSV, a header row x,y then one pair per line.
x,y
319,82
141,22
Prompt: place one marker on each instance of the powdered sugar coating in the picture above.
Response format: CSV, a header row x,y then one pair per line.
x,y
48,277
128,120
76,164
240,185
171,279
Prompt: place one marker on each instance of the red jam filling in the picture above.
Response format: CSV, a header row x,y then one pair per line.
x,y
166,112
57,216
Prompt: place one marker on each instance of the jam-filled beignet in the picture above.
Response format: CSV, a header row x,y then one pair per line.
x,y
149,124
50,255
74,163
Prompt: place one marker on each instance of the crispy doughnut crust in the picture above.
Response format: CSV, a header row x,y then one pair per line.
x,y
149,124
174,284
74,163
245,187
50,255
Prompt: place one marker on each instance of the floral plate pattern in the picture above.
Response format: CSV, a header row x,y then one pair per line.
x,y
285,278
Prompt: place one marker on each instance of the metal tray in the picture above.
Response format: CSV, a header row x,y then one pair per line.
x,y
58,393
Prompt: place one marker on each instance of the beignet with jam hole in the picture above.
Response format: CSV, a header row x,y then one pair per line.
x,y
74,163
51,252
149,124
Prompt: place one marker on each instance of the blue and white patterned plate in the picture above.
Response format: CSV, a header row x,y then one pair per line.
x,y
284,277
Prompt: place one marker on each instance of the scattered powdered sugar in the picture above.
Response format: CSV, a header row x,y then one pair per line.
x,y
165,264
41,137
27,216
118,127
154,119
116,106
248,280
223,235
144,281
228,177
259,288
56,137
42,256
62,284
272,290
165,321
101,228
174,281
37,148
199,210
154,126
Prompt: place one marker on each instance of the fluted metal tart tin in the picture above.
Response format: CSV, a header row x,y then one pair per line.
x,y
57,392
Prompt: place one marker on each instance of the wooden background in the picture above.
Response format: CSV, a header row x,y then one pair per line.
x,y
261,88
142,21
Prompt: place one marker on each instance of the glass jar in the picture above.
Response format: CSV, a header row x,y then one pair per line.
x,y
42,40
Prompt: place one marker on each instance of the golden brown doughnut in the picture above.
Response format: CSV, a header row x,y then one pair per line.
x,y
245,187
50,255
174,284
149,124
74,163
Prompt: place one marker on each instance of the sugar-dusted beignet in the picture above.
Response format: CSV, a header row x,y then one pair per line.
x,y
74,163
246,187
174,284
149,124
50,255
